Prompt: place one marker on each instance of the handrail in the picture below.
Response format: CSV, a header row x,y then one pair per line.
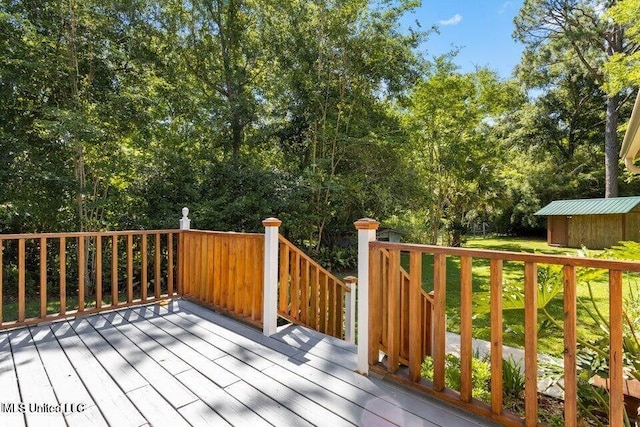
x,y
605,264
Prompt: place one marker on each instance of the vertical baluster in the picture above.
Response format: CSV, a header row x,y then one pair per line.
x,y
21,279
331,327
114,270
63,275
531,343
393,313
466,350
313,314
144,280
295,285
129,268
81,272
170,287
324,280
439,314
496,335
415,300
375,300
43,277
284,278
570,347
156,264
304,291
616,363
98,272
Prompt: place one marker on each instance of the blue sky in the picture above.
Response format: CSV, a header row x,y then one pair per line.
x,y
481,28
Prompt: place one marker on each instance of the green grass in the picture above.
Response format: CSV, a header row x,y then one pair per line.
x,y
550,338
32,306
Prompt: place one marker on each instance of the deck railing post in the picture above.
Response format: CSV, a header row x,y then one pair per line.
x,y
270,313
366,233
350,309
185,222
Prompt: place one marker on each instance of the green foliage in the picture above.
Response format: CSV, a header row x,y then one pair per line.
x,y
512,378
480,374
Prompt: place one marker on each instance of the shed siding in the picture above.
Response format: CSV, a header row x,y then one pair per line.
x,y
632,226
596,231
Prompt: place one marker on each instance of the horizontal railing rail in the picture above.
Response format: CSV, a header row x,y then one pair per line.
x,y
386,288
309,294
224,270
46,276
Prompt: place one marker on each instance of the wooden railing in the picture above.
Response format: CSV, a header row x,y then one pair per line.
x,y
386,296
224,271
54,275
309,295
398,337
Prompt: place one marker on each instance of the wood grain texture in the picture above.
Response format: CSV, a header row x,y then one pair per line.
x,y
531,343
495,266
570,348
466,316
616,362
415,312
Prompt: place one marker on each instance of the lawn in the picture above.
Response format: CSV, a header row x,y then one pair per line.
x,y
550,337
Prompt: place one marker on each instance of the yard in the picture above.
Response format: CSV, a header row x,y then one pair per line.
x,y
550,337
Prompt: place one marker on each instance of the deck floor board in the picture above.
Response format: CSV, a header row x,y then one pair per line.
x,y
183,364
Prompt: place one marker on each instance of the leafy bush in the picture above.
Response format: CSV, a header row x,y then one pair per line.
x,y
480,374
512,378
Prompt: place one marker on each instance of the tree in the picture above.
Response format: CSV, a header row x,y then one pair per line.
x,y
449,119
565,33
623,68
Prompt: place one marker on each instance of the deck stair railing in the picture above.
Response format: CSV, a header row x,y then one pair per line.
x,y
386,328
309,295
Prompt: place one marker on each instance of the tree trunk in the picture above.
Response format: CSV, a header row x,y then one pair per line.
x,y
611,147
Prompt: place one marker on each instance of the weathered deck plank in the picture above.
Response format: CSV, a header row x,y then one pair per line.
x,y
183,364
35,388
116,407
9,384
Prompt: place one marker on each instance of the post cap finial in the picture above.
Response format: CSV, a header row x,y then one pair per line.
x,y
271,222
185,212
366,224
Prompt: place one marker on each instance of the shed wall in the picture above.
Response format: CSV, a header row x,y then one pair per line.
x,y
596,231
632,226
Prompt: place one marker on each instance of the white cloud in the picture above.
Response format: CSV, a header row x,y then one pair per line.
x,y
454,20
506,5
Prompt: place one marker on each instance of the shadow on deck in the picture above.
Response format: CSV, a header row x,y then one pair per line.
x,y
182,364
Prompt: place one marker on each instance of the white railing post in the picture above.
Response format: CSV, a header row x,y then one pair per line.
x,y
350,309
185,222
366,233
270,310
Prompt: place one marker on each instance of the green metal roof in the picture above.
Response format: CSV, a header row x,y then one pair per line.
x,y
615,205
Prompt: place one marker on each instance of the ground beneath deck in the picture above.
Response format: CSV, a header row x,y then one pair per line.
x,y
185,365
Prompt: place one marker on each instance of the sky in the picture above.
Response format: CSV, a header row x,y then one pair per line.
x,y
480,28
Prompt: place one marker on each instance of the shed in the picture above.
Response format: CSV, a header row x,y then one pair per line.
x,y
594,223
388,235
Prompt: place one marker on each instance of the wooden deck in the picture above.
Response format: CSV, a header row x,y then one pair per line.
x,y
184,365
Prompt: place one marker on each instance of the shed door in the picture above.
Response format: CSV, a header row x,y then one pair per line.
x,y
558,230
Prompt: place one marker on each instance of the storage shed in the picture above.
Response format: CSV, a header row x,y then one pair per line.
x,y
594,223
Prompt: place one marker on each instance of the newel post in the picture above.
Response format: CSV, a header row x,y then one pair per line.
x,y
350,309
366,233
270,310
185,222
